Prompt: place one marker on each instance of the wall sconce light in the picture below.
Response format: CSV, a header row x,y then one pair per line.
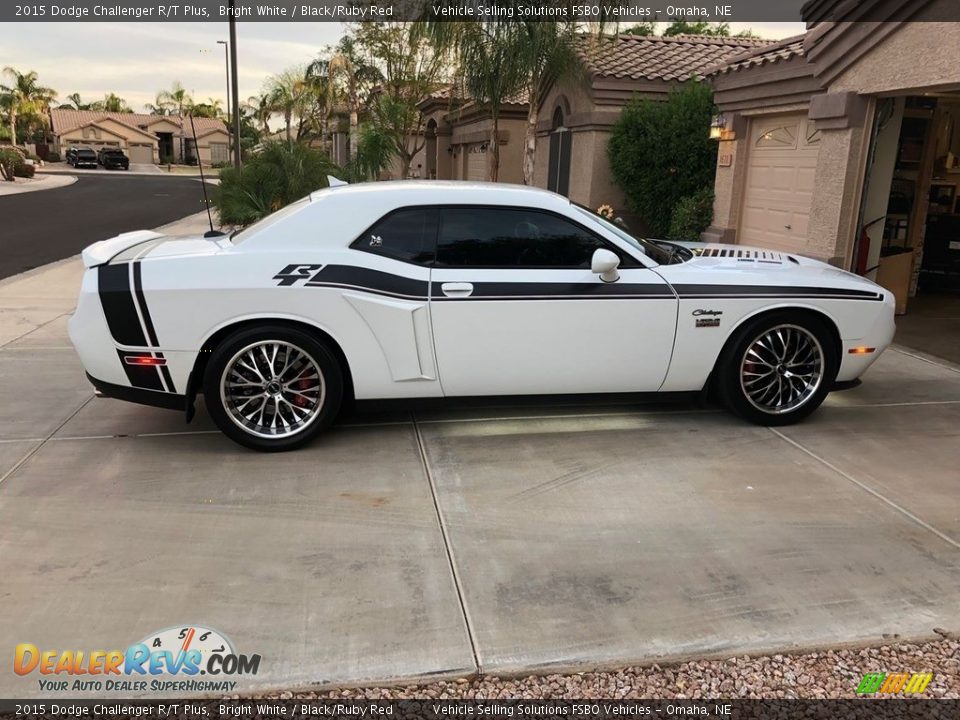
x,y
717,126
449,149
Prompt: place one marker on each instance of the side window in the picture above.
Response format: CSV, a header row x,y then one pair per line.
x,y
493,237
406,235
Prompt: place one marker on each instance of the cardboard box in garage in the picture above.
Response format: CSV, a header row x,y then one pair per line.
x,y
894,275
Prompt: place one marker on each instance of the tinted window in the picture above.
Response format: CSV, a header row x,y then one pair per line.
x,y
490,237
406,235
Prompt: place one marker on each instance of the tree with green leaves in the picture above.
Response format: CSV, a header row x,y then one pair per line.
x,y
410,67
277,175
111,103
24,96
660,152
491,60
175,99
351,76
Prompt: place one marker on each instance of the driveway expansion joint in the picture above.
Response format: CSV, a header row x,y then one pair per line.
x,y
863,486
457,582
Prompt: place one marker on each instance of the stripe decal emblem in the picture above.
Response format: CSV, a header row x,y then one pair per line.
x,y
128,318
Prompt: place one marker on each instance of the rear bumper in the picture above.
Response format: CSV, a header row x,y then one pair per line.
x,y
153,398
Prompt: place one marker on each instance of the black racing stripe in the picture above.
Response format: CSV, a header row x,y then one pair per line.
x,y
559,291
142,302
165,373
369,280
141,376
113,283
726,291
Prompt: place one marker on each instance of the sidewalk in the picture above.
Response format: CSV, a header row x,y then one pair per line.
x,y
38,182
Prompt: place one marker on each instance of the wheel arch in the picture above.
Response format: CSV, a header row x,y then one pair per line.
x,y
221,333
819,314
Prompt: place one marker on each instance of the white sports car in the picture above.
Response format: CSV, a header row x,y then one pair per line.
x,y
429,289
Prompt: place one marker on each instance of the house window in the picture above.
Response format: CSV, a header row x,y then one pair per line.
x,y
558,173
784,136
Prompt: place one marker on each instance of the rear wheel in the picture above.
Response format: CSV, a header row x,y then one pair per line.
x,y
778,369
272,388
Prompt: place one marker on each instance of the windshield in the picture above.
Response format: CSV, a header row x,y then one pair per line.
x,y
241,234
655,252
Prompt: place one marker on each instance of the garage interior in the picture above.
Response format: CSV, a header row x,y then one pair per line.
x,y
909,239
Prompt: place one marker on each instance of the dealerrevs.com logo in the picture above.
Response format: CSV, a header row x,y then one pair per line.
x,y
189,658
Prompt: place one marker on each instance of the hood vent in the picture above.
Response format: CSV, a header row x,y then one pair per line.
x,y
744,255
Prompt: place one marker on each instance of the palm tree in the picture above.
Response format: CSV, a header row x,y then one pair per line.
x,y
176,97
504,57
24,96
286,93
259,107
491,66
75,102
112,103
350,75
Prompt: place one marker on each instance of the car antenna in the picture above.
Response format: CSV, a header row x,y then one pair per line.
x,y
203,183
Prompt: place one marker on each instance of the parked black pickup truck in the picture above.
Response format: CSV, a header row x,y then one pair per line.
x,y
113,159
82,157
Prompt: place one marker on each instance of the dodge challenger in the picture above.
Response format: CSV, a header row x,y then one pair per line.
x,y
418,289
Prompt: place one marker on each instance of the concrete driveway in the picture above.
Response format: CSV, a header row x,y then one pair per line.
x,y
418,543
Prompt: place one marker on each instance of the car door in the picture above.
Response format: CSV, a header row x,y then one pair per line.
x,y
515,308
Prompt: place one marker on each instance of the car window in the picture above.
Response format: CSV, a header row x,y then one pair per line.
x,y
513,237
407,235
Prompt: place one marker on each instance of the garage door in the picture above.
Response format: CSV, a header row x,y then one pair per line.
x,y
781,167
477,164
140,153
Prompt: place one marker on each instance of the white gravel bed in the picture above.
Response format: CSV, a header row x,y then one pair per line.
x,y
826,674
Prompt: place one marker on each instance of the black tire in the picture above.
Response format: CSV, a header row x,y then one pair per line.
x,y
791,367
227,406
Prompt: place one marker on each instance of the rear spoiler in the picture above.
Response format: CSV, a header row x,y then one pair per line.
x,y
104,251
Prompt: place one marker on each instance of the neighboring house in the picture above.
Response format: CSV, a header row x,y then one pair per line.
x,y
843,142
577,115
144,138
457,136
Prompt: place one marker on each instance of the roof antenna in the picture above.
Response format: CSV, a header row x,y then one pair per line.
x,y
203,182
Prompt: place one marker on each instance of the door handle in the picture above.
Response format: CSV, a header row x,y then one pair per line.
x,y
457,289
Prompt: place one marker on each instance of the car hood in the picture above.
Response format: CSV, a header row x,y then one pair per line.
x,y
769,267
147,244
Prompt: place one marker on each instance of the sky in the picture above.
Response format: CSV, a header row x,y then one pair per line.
x,y
136,60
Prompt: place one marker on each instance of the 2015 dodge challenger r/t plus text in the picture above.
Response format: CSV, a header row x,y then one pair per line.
x,y
432,289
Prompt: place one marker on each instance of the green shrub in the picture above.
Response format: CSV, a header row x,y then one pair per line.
x,y
692,215
24,170
661,152
10,160
274,177
53,157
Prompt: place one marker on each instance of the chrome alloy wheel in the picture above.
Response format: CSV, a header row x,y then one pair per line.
x,y
272,389
782,369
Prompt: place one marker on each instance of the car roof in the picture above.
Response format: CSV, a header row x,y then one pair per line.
x,y
446,192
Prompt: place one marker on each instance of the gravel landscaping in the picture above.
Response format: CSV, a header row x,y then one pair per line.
x,y
815,675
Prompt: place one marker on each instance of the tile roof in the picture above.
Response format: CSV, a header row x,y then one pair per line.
x,y
780,51
654,57
450,92
64,120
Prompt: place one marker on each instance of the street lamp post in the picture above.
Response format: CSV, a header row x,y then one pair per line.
x,y
235,84
226,60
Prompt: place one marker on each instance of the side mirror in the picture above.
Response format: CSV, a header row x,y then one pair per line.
x,y
605,263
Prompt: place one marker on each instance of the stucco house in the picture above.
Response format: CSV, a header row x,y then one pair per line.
x,y
144,138
456,138
842,144
576,115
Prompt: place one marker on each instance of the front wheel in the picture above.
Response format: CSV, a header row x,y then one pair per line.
x,y
778,369
272,388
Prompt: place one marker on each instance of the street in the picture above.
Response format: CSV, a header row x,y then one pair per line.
x,y
41,227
